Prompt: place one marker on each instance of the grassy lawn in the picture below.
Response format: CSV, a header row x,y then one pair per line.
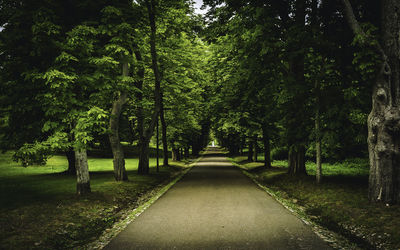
x,y
340,203
39,208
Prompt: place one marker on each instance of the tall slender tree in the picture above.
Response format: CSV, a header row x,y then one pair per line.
x,y
143,167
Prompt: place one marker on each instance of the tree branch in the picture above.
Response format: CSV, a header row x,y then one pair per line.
x,y
357,30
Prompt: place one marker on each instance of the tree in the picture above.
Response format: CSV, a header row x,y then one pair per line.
x,y
69,102
32,34
117,29
383,121
143,167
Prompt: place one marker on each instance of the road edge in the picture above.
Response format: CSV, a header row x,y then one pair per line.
x,y
333,239
149,198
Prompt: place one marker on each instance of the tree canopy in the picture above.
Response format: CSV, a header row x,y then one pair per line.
x,y
292,78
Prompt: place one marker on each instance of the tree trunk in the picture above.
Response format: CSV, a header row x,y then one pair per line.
x,y
175,154
82,172
318,135
187,149
297,132
242,145
255,149
250,152
296,157
195,147
71,161
164,133
143,152
116,147
143,167
384,119
267,149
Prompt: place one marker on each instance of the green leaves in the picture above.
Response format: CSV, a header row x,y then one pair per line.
x,y
66,58
81,40
31,154
88,123
57,79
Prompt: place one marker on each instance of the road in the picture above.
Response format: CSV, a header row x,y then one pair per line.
x,y
215,206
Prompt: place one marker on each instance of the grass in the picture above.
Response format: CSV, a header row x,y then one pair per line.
x,y
340,203
39,208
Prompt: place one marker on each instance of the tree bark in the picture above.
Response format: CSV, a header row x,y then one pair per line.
x,y
175,154
144,167
195,146
318,135
82,172
384,119
120,173
297,135
250,152
71,161
297,165
255,149
164,133
267,149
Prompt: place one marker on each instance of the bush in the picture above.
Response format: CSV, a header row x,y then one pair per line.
x,y
32,154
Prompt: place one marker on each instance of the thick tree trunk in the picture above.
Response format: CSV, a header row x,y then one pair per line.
x,y
195,147
71,161
250,152
267,149
82,172
318,135
297,132
164,134
297,165
384,119
116,147
175,154
144,167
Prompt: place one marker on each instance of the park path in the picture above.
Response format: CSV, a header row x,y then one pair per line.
x,y
215,206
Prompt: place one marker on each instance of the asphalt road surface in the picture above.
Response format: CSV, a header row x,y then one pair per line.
x,y
215,206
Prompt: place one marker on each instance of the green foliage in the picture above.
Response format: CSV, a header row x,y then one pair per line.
x,y
31,154
366,58
93,121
